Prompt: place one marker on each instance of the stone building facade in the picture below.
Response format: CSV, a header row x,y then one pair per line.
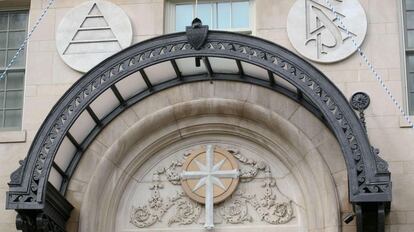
x,y
288,148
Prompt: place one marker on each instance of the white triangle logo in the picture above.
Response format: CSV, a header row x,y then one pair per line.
x,y
91,32
94,35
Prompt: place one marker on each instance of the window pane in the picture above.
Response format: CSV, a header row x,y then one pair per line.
x,y
14,99
16,39
204,13
3,40
1,118
1,100
2,58
410,76
411,83
409,4
3,21
15,80
19,62
18,21
13,118
410,19
240,15
410,63
411,102
410,38
224,15
2,83
183,16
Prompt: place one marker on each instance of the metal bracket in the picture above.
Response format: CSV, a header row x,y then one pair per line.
x,y
360,102
197,34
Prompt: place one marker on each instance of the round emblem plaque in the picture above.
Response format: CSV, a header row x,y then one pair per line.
x,y
91,32
317,33
210,167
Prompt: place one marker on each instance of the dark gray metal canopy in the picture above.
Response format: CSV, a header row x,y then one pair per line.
x,y
38,187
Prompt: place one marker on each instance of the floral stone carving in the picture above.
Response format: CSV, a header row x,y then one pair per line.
x,y
234,210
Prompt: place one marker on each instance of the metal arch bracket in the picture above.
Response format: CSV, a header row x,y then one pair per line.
x,y
29,191
197,34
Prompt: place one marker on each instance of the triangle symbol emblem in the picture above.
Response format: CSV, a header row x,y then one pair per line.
x,y
94,35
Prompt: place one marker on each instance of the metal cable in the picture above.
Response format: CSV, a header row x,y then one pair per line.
x,y
23,45
196,9
371,67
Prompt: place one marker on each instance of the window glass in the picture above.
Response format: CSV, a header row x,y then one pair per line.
x,y
18,21
1,99
224,15
15,80
16,39
2,59
183,16
410,63
20,60
204,12
411,103
410,82
410,39
240,13
13,29
14,99
410,19
409,4
3,40
13,119
4,21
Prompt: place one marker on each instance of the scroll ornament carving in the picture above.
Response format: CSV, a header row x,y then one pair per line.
x,y
267,207
187,212
234,210
147,215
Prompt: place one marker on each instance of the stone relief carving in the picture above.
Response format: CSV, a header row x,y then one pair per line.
x,y
92,32
187,212
317,32
266,206
234,210
247,173
171,172
147,215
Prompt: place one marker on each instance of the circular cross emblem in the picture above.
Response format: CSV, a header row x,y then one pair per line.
x,y
318,33
210,173
92,32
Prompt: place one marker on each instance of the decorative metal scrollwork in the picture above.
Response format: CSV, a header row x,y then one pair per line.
x,y
28,189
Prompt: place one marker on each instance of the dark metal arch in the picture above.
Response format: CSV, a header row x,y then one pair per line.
x,y
369,179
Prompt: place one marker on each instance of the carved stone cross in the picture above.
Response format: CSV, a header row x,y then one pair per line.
x,y
209,175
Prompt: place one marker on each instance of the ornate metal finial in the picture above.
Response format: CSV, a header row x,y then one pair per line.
x,y
360,102
197,33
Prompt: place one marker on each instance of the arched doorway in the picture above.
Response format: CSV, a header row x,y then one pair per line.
x,y
38,187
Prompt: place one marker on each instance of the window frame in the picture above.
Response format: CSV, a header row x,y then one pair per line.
x,y
12,69
170,15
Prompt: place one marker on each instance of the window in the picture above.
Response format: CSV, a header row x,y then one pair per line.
x,y
13,30
233,15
